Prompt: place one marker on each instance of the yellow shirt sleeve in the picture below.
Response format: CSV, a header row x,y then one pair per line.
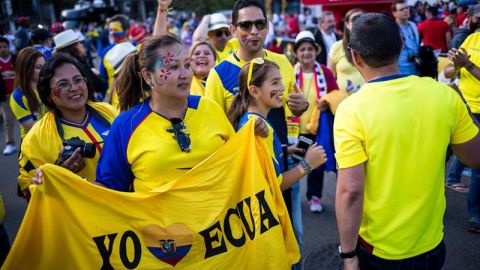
x,y
336,51
464,128
215,91
349,138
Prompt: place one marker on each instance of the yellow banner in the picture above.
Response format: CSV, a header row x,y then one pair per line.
x,y
226,213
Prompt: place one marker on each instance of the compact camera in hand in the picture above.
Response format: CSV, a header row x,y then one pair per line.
x,y
86,149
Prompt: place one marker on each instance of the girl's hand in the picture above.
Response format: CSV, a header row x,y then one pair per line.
x,y
315,156
38,178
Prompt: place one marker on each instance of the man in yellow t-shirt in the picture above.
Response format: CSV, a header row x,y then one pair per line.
x,y
465,63
391,140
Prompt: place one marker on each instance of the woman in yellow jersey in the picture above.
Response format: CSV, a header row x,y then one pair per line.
x,y
340,60
202,59
157,139
72,132
24,101
261,89
316,81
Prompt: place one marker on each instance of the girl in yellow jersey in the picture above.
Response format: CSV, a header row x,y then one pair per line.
x,y
261,89
202,59
24,101
73,121
157,139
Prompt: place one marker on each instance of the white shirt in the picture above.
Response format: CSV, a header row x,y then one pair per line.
x,y
328,39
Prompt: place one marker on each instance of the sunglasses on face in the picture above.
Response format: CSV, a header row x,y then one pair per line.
x,y
247,25
220,33
178,129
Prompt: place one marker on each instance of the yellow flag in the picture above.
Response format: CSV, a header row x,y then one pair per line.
x,y
226,213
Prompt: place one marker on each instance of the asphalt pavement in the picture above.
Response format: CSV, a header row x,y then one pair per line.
x,y
320,236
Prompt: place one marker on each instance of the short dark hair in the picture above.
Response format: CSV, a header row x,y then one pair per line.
x,y
123,21
47,72
395,3
239,4
433,10
376,38
4,40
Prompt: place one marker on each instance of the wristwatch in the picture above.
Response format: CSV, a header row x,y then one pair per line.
x,y
346,255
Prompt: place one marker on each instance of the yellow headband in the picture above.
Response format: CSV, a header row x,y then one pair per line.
x,y
258,61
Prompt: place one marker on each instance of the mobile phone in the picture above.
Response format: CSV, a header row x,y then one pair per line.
x,y
303,143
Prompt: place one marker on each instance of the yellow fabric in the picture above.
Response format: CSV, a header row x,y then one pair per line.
x,y
231,47
197,87
69,223
43,143
309,91
401,129
468,84
110,70
19,106
216,91
333,98
344,70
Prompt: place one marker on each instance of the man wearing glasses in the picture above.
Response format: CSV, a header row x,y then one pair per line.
x,y
216,28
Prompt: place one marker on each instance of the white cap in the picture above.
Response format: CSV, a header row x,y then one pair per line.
x,y
118,53
217,21
305,36
65,39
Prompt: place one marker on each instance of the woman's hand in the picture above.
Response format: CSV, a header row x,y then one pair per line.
x,y
460,58
315,156
164,3
261,128
74,163
38,178
323,105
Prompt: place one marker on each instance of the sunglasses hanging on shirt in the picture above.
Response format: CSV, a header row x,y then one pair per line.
x,y
178,129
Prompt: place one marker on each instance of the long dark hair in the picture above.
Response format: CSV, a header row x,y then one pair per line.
x,y
129,83
24,69
243,99
47,72
346,33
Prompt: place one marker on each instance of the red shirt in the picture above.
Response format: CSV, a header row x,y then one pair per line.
x,y
7,71
460,18
433,31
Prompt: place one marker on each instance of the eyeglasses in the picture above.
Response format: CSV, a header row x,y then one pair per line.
x,y
178,129
247,25
220,33
65,85
258,61
351,49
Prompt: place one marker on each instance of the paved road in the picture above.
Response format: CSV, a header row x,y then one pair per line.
x,y
320,235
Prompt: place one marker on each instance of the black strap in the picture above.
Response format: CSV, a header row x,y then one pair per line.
x,y
94,113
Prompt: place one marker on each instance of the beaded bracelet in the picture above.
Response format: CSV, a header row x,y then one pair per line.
x,y
164,9
305,165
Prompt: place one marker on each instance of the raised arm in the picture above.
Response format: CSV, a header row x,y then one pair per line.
x,y
160,26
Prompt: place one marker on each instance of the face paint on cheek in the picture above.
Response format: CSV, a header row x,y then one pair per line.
x,y
244,37
56,92
164,74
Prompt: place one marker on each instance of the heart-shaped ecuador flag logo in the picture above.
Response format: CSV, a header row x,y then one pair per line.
x,y
171,244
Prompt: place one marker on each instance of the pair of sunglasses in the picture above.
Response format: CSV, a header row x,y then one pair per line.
x,y
220,33
178,129
247,25
258,61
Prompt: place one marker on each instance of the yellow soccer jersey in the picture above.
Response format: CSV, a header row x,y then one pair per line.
x,y
231,47
272,141
19,106
43,143
400,127
141,154
348,77
198,87
222,82
469,85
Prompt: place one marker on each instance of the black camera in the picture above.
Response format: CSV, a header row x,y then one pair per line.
x,y
86,149
416,59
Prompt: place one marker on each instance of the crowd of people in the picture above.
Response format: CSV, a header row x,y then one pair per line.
x,y
165,97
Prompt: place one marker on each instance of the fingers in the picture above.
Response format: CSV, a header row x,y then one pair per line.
x,y
261,128
37,179
74,163
296,88
59,157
